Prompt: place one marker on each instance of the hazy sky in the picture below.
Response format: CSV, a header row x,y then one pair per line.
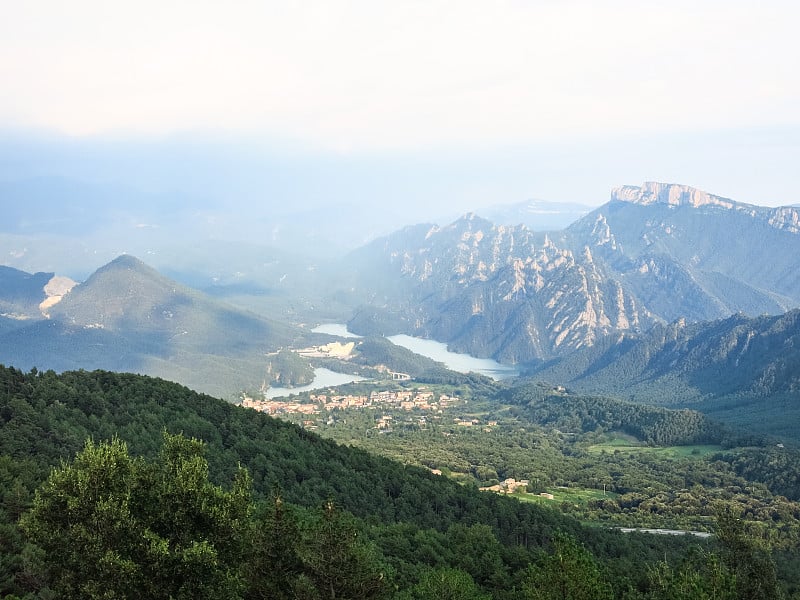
x,y
465,101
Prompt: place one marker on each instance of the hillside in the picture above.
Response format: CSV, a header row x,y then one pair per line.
x,y
418,520
740,369
25,296
128,317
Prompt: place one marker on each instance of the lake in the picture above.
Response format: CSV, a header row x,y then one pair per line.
x,y
323,378
463,363
455,361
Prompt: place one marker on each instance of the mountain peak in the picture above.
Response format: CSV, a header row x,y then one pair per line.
x,y
124,291
673,194
472,221
126,261
127,265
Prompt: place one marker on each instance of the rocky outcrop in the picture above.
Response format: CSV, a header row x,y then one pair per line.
x,y
652,192
786,218
654,254
55,290
495,291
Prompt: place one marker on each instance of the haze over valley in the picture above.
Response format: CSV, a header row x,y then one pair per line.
x,y
657,257
410,301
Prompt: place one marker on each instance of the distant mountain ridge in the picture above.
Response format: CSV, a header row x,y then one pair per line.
x,y
783,217
491,290
652,254
29,295
688,254
129,317
26,297
21,292
538,215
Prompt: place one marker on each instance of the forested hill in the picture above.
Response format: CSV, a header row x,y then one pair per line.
x,y
740,369
651,424
417,520
46,418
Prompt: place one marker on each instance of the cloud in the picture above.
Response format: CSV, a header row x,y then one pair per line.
x,y
362,75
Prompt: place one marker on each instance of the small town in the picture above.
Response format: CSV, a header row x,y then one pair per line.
x,y
419,399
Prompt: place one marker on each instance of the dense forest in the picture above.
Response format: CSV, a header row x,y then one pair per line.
x,y
117,486
653,425
740,369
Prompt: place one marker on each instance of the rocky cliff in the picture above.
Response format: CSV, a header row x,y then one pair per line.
x,y
670,194
498,291
652,254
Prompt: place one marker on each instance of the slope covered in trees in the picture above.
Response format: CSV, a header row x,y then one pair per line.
x,y
425,534
653,425
740,369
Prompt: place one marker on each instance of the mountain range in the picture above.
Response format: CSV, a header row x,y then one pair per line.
x,y
689,254
651,255
663,296
579,307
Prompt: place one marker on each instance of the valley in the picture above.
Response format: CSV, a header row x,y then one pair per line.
x,y
637,370
599,460
351,300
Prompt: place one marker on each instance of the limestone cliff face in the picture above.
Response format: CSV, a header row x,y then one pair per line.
x,y
495,291
653,254
684,252
652,192
785,217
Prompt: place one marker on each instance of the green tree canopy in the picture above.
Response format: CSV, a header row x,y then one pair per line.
x,y
570,572
114,526
446,584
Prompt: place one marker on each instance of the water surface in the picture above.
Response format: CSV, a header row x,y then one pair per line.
x,y
323,378
455,361
339,329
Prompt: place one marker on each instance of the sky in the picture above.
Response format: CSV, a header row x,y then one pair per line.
x,y
456,104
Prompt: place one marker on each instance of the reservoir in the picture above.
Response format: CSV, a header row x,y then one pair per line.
x,y
463,363
323,378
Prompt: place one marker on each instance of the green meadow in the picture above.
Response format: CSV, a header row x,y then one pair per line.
x,y
619,444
